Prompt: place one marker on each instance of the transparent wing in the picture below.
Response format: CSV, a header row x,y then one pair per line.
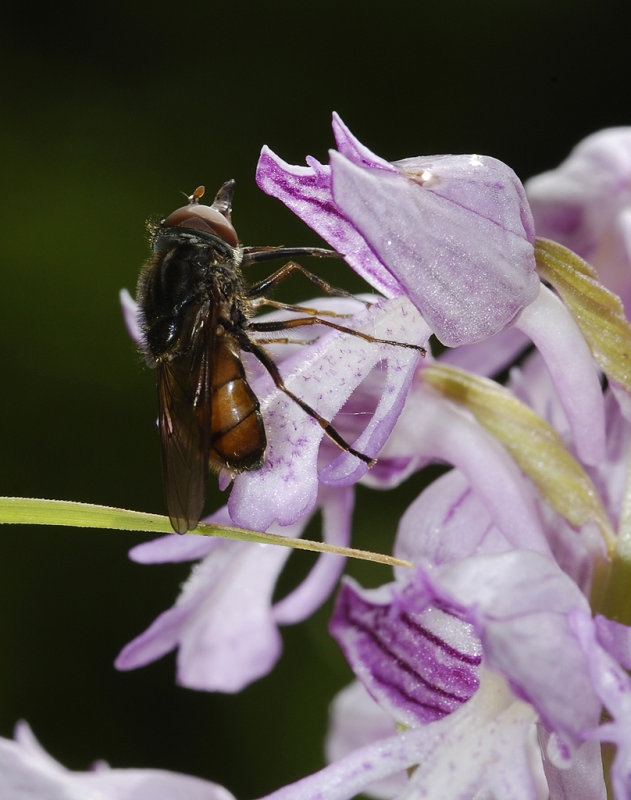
x,y
184,418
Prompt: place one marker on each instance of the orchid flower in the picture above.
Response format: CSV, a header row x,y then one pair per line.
x,y
479,605
223,624
453,233
470,660
497,665
585,204
482,618
456,236
411,425
28,772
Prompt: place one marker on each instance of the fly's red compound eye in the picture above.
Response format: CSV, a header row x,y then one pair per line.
x,y
204,218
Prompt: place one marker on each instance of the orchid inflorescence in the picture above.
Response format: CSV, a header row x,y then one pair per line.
x,y
496,665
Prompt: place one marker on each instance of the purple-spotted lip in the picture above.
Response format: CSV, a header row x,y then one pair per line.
x,y
404,662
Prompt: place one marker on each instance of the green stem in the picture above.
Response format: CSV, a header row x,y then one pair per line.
x,y
34,511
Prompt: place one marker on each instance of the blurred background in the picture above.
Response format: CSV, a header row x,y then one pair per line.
x,y
110,112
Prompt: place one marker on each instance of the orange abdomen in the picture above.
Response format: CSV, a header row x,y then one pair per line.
x,y
238,438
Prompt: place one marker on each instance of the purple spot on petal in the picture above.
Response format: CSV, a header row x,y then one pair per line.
x,y
400,656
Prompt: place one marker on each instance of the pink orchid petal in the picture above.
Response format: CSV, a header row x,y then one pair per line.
x,y
419,663
446,522
623,398
396,381
483,749
308,596
489,356
454,233
353,149
615,638
356,720
221,648
497,757
223,623
173,548
350,775
130,315
27,772
306,191
555,334
31,746
585,202
150,784
613,685
519,603
431,427
466,263
176,547
285,488
162,636
582,779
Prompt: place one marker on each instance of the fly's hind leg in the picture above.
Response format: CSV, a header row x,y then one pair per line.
x,y
268,327
249,345
265,301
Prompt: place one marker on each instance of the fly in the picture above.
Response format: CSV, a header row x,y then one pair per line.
x,y
195,312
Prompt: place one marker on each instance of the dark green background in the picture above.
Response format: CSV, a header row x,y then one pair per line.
x,y
109,112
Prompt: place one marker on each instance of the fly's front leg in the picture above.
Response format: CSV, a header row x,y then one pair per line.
x,y
258,289
256,254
